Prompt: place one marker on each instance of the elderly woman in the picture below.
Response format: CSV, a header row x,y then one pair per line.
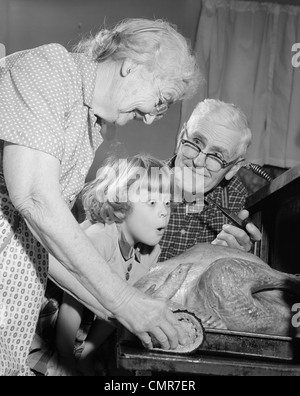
x,y
52,107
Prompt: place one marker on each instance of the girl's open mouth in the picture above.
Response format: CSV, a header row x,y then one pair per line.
x,y
161,230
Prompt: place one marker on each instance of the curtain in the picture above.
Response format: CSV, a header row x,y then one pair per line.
x,y
244,50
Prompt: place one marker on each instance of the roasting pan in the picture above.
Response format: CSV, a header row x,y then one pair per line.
x,y
251,345
236,344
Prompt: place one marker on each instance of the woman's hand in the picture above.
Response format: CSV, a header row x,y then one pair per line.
x,y
146,318
237,238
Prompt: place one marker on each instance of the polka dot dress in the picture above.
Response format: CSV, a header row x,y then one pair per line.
x,y
45,104
23,276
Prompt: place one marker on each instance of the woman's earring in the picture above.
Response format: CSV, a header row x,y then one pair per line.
x,y
128,71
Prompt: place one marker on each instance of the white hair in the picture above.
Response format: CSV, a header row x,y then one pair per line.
x,y
227,115
155,43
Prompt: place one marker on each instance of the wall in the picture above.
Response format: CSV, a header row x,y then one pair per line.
x,y
29,23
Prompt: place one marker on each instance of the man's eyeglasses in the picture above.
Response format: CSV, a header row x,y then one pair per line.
x,y
213,162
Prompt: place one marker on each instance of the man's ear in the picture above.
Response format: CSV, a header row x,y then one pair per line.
x,y
128,66
234,170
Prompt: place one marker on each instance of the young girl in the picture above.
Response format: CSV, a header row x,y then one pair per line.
x,y
128,210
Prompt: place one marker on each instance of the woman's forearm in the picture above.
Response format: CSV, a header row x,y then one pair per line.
x,y
32,179
60,234
66,281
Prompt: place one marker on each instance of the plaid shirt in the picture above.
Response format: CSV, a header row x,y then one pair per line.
x,y
186,230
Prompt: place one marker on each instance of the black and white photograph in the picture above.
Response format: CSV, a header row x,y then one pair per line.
x,y
149,190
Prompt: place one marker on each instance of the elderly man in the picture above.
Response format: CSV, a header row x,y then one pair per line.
x,y
210,151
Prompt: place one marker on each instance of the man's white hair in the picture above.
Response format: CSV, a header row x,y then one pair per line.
x,y
228,116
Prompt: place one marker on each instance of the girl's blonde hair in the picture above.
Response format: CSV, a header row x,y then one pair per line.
x,y
155,43
105,199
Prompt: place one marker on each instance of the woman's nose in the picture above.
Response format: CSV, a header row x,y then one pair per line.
x,y
148,119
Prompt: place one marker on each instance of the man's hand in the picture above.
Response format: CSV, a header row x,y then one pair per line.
x,y
237,238
148,318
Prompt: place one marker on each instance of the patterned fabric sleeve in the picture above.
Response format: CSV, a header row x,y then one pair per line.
x,y
184,231
237,195
34,98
